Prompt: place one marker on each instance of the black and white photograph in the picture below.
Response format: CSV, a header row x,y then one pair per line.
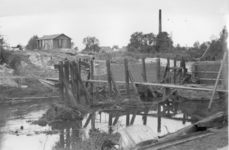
x,y
114,74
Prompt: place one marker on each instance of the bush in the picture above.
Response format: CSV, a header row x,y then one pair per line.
x,y
32,44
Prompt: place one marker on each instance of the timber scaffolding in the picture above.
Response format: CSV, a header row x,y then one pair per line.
x,y
72,86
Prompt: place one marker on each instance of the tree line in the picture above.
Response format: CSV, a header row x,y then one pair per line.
x,y
151,43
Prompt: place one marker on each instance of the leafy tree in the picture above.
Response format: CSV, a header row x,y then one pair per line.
x,y
142,42
32,44
196,44
91,44
216,47
115,47
163,42
76,48
3,42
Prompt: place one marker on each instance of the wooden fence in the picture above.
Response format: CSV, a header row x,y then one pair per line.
x,y
206,72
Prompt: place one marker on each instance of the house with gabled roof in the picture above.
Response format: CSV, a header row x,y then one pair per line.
x,y
56,41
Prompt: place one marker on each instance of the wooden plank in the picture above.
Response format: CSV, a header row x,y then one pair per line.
x,y
115,120
88,95
73,83
217,81
109,77
172,142
144,76
66,78
93,121
127,76
87,121
127,119
71,99
76,81
146,111
110,120
134,86
114,85
133,118
158,117
30,98
61,84
164,85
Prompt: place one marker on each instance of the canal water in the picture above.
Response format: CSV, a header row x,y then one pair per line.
x,y
17,132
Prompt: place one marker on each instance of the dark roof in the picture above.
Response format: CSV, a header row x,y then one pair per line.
x,y
50,37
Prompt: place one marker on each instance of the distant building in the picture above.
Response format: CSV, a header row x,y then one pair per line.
x,y
56,41
105,49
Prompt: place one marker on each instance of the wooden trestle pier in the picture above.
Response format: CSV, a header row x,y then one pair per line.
x,y
72,86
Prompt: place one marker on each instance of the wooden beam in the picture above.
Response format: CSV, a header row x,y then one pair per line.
x,y
109,77
133,118
87,121
115,120
69,94
165,85
61,84
127,76
158,63
84,88
114,85
134,86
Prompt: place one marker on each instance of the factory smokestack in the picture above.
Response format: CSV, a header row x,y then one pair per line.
x,y
160,25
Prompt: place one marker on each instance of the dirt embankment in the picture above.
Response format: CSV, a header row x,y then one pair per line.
x,y
20,74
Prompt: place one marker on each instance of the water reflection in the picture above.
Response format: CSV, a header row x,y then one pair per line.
x,y
164,118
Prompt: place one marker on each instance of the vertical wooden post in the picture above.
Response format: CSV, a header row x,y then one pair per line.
x,y
93,121
109,77
168,75
114,85
184,119
61,84
127,76
182,70
183,65
73,78
110,123
66,75
174,70
127,119
76,81
159,117
145,116
144,76
134,86
92,76
158,64
185,69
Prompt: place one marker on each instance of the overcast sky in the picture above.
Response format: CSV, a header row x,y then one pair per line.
x,y
112,21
